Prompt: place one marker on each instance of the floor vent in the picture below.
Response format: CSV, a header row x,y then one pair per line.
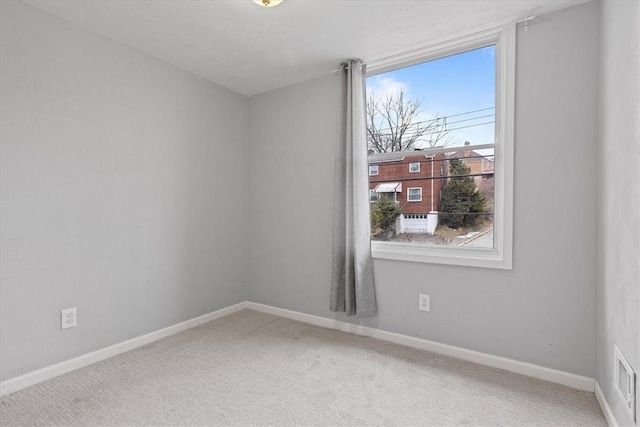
x,y
625,381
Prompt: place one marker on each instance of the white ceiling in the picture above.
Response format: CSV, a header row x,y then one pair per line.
x,y
250,49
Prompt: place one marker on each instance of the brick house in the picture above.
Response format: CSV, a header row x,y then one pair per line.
x,y
413,179
482,167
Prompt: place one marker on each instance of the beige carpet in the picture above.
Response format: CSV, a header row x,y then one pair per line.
x,y
251,368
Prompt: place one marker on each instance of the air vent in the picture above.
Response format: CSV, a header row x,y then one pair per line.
x,y
625,381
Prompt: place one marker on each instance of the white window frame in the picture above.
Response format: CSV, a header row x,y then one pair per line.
x,y
501,255
371,168
409,191
371,193
413,164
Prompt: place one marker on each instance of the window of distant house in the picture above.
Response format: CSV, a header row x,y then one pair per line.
x,y
440,119
414,194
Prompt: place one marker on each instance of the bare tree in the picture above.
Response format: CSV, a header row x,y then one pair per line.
x,y
392,125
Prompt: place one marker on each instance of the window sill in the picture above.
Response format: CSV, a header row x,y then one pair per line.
x,y
483,258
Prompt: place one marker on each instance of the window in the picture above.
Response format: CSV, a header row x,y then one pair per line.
x,y
373,170
373,196
414,194
458,140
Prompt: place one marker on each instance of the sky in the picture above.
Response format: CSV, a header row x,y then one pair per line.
x,y
456,86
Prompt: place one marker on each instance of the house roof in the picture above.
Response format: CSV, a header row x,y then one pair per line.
x,y
472,155
396,156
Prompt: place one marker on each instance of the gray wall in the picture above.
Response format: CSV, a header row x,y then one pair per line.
x,y
124,192
619,201
118,173
543,311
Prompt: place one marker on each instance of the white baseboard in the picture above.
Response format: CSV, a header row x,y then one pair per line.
x,y
606,409
523,368
535,371
35,377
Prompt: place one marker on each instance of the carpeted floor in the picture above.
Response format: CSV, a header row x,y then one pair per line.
x,y
251,368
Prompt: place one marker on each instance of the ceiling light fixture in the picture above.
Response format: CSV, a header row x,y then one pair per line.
x,y
267,3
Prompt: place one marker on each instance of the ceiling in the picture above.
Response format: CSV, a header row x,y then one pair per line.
x,y
251,49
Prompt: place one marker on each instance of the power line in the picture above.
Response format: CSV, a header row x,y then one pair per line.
x,y
468,120
424,178
434,160
474,111
461,127
444,118
412,133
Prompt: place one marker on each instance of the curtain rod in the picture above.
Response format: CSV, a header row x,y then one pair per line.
x,y
525,20
343,65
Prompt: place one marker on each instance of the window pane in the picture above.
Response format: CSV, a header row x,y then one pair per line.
x,y
414,194
431,130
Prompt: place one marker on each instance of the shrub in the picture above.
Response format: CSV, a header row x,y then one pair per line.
x,y
384,213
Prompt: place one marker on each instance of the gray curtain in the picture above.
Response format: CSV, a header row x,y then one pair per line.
x,y
352,286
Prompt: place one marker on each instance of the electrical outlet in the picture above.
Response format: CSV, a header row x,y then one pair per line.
x,y
68,318
424,302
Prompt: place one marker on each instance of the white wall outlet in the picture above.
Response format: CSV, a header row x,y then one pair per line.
x,y
424,302
68,318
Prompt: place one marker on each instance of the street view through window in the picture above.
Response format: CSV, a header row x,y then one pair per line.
x,y
431,136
